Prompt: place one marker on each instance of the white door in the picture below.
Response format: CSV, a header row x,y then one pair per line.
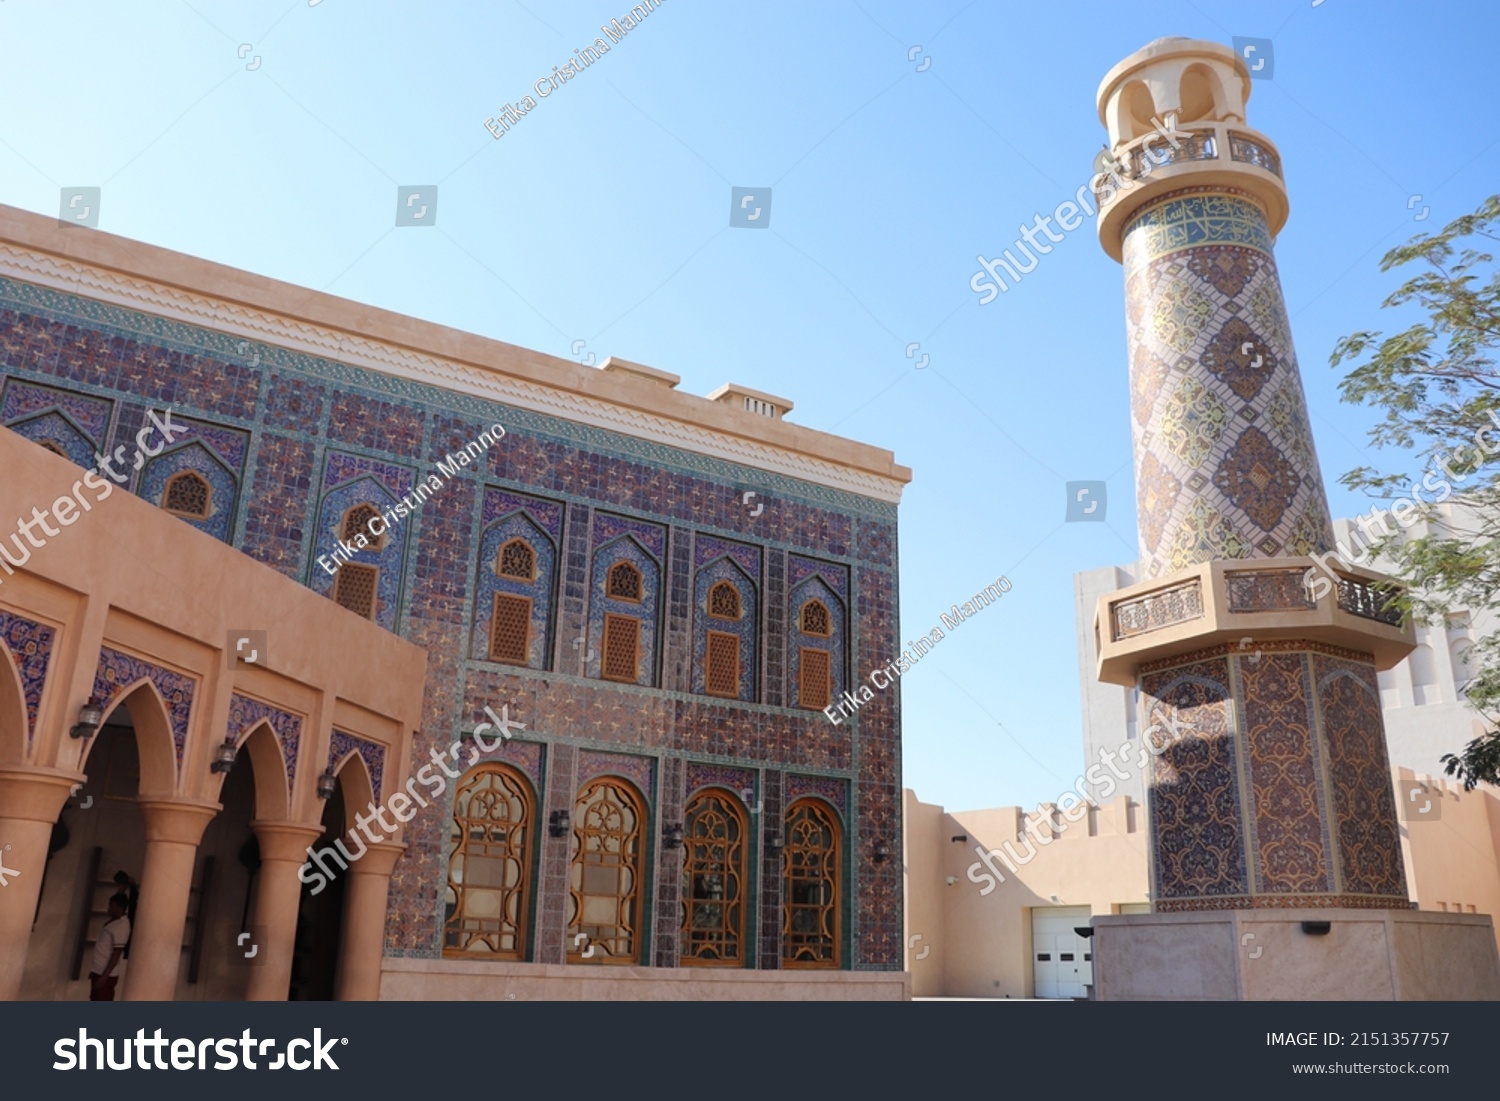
x,y
1062,961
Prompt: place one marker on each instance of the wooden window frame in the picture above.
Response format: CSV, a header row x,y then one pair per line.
x,y
522,853
638,868
604,645
374,587
739,601
640,582
500,557
709,636
835,861
376,542
802,618
739,870
494,617
184,475
802,677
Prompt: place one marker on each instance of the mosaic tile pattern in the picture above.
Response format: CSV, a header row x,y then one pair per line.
x,y
829,788
547,515
55,429
728,567
118,671
194,456
641,771
316,425
815,588
370,484
1225,463
1364,808
87,415
1196,824
342,743
1289,841
516,525
730,777
245,712
625,547
30,645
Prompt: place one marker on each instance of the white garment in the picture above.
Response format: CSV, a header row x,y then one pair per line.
x,y
115,934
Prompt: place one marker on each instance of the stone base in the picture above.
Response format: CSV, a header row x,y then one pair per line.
x,y
474,981
1264,955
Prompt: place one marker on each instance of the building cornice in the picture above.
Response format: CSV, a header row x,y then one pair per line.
x,y
132,275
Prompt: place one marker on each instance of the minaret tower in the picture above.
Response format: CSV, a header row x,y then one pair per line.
x,y
1256,664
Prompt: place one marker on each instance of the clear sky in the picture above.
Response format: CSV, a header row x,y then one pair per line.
x,y
602,216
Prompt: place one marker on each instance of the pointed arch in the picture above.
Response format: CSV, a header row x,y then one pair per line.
x,y
1201,94
155,746
262,746
353,775
15,722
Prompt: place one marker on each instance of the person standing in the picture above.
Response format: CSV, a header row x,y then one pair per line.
x,y
104,975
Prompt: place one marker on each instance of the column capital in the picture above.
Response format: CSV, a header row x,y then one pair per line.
x,y
36,794
378,860
285,840
180,821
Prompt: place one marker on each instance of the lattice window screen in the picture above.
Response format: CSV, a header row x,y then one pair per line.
x,y
355,588
722,673
510,629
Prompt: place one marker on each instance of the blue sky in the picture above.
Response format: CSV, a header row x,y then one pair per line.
x,y
602,217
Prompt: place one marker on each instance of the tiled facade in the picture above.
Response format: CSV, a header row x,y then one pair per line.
x,y
290,441
1225,466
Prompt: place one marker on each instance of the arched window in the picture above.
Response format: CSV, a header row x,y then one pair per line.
x,y
489,865
187,493
713,881
816,620
810,906
625,582
357,522
355,587
604,917
724,601
516,561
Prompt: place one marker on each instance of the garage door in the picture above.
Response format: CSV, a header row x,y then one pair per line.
x,y
1062,960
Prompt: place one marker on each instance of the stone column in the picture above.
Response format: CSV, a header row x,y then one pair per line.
x,y
362,946
30,801
173,830
278,894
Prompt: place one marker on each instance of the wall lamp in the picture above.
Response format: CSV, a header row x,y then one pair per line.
x,y
328,783
223,757
1316,928
880,852
775,843
90,715
671,836
959,837
558,822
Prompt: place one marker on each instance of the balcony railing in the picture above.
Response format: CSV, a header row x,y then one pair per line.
x,y
1363,599
1153,611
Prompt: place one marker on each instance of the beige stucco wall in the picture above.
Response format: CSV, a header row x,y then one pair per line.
x,y
979,928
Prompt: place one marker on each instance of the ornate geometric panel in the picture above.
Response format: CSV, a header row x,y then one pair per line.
x,y
810,889
721,675
31,646
1268,590
1364,809
518,559
622,636
245,712
118,670
342,743
604,892
625,566
1192,421
1290,844
1257,479
510,629
357,523
1195,813
355,586
489,865
815,682
1241,358
713,881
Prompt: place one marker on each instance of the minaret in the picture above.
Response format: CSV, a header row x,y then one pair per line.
x,y
1256,664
